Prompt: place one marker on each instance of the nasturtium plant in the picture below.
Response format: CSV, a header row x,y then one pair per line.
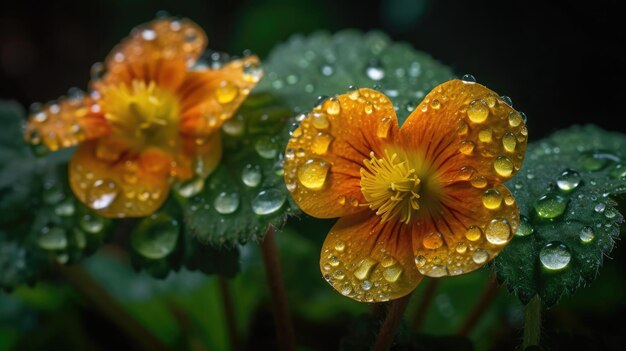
x,y
567,191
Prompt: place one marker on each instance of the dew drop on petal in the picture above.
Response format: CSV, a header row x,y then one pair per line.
x,y
226,92
492,199
364,268
473,233
498,231
477,111
432,240
468,78
102,194
509,142
480,256
312,174
503,166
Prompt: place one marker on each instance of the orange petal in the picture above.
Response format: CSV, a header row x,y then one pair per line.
x,y
469,229
66,122
119,187
199,156
209,97
159,51
369,261
325,154
465,126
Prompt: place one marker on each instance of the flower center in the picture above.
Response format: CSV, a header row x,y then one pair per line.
x,y
391,187
144,113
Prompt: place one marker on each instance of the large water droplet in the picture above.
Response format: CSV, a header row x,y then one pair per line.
x,y
525,228
473,233
268,201
480,256
251,175
468,78
477,111
432,240
102,194
313,174
364,268
555,256
320,143
226,203
550,206
319,120
52,239
568,180
392,273
226,92
252,72
498,231
156,236
503,166
509,142
492,199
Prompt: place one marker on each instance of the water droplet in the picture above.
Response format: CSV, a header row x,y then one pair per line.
x,y
252,72
473,233
498,231
586,234
435,104
466,147
346,289
226,203
226,92
507,100
332,106
319,120
156,236
364,268
190,187
383,127
461,247
234,127
340,246
555,256
420,261
52,239
339,274
266,147
91,224
334,261
102,194
148,34
432,240
327,70
479,182
509,141
492,199
568,180
392,273
550,206
515,119
600,207
503,166
468,78
366,285
477,111
320,143
485,135
480,256
268,201
374,70
313,174
251,175
525,228
596,161
368,108
65,208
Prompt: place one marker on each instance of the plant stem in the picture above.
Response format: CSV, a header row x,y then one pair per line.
x,y
229,312
284,328
532,323
420,313
110,307
388,330
484,301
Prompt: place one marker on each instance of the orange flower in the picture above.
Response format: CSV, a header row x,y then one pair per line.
x,y
151,118
424,199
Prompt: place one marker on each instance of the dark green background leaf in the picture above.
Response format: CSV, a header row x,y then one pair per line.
x,y
581,170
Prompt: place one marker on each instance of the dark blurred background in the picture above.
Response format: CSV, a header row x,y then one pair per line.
x,y
561,64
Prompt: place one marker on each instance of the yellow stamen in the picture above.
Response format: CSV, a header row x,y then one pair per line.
x,y
391,187
146,114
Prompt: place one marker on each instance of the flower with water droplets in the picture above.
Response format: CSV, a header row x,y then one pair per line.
x,y
424,199
151,118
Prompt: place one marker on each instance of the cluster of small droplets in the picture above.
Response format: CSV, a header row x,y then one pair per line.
x,y
373,279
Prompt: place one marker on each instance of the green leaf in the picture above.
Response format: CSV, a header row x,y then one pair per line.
x,y
566,190
246,192
305,68
40,219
